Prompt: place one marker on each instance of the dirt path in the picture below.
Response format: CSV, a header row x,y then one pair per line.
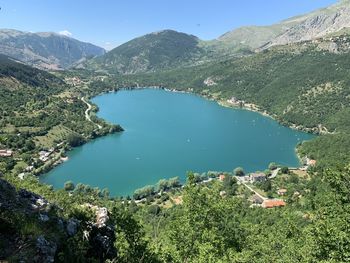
x,y
251,189
87,113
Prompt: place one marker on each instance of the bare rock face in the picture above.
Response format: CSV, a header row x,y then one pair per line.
x,y
102,241
314,27
45,50
101,217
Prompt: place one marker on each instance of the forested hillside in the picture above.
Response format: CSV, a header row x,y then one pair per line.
x,y
39,111
163,50
305,85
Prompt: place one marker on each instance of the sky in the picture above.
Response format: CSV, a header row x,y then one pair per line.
x,y
109,23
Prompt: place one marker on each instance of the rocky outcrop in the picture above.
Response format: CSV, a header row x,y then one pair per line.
x,y
72,226
320,24
46,250
101,217
102,241
36,202
100,234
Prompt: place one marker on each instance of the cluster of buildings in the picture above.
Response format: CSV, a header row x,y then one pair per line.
x,y
308,162
257,200
254,178
236,102
6,153
45,155
75,81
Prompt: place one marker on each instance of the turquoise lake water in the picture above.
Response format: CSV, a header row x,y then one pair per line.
x,y
167,134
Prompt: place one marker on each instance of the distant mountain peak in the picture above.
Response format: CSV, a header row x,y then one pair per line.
x,y
308,26
45,50
154,51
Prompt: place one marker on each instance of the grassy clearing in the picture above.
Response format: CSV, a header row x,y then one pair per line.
x,y
55,135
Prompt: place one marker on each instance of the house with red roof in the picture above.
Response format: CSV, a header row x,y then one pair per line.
x,y
221,177
271,203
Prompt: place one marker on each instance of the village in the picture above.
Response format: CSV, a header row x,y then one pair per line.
x,y
265,189
44,160
273,188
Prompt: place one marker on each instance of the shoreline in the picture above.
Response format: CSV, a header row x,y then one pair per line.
x,y
320,130
221,102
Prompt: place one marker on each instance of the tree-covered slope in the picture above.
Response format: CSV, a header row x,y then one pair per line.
x,y
38,111
10,68
155,51
305,84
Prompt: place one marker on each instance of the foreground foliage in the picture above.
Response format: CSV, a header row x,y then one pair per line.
x,y
205,228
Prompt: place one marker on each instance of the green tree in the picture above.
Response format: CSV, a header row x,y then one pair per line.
x,y
69,186
75,140
238,171
162,185
105,193
205,228
273,166
285,170
230,185
174,182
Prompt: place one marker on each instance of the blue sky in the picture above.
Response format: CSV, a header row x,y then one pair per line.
x,y
109,23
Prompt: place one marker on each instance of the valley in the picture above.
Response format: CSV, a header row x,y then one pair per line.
x,y
170,148
163,141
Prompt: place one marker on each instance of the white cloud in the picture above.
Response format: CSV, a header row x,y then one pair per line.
x,y
65,33
109,45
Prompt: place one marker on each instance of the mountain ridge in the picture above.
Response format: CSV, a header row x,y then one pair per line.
x,y
46,50
155,51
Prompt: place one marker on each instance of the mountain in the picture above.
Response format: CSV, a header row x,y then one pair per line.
x,y
46,50
309,26
169,49
18,74
162,50
254,37
316,24
151,52
303,84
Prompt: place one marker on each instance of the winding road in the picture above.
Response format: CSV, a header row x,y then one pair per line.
x,y
274,173
87,113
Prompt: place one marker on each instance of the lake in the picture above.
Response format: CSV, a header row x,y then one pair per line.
x,y
167,134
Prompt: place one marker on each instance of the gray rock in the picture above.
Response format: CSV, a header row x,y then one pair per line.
x,y
45,250
60,224
72,227
320,24
43,217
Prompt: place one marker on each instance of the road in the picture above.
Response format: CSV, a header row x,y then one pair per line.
x,y
87,113
251,189
274,173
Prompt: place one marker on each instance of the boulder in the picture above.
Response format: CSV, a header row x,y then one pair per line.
x,y
45,250
44,217
72,226
102,240
101,217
